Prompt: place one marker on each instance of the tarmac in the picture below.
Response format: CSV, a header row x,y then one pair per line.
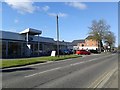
x,y
113,82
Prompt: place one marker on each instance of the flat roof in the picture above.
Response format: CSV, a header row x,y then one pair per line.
x,y
31,31
12,36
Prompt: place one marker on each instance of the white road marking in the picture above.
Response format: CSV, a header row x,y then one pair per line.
x,y
65,66
43,72
76,63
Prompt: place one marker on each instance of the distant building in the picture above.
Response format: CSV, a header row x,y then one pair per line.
x,y
87,43
27,43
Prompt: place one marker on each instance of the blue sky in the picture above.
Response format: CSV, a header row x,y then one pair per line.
x,y
74,18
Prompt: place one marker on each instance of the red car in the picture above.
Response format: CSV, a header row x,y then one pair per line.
x,y
82,52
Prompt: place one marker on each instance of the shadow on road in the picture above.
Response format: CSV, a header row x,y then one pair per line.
x,y
17,69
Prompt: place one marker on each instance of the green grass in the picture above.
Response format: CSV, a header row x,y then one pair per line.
x,y
27,61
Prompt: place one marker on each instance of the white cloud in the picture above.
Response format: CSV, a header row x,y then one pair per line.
x,y
22,7
77,5
16,21
59,14
52,14
62,14
45,8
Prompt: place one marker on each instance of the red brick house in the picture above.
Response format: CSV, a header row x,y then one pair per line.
x,y
87,43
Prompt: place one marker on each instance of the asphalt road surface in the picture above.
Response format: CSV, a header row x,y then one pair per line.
x,y
92,71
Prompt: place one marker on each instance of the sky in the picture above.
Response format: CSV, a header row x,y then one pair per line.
x,y
74,17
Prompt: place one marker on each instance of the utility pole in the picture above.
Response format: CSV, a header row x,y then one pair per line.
x,y
57,36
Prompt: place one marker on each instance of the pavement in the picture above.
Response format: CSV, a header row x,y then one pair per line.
x,y
90,71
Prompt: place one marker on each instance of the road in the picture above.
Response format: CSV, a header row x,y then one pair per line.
x,y
92,71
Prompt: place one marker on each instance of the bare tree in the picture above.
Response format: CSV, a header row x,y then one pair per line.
x,y
97,31
109,39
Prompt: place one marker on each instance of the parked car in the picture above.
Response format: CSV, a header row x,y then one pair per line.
x,y
70,51
63,52
82,52
74,51
114,51
66,52
94,51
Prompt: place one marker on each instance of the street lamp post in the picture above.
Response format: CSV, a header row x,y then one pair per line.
x,y
99,43
57,36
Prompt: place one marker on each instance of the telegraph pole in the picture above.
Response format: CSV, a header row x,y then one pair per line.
x,y
57,36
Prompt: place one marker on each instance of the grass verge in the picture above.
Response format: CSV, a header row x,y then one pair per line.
x,y
7,63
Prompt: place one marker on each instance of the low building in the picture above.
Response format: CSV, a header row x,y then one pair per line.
x,y
26,43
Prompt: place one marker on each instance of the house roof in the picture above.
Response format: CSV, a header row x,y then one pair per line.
x,y
75,42
89,37
64,43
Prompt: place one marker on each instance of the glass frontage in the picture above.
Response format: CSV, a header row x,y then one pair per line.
x,y
0,48
3,50
34,48
48,46
23,49
14,49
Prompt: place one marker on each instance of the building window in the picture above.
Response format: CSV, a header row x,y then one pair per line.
x,y
14,49
3,49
